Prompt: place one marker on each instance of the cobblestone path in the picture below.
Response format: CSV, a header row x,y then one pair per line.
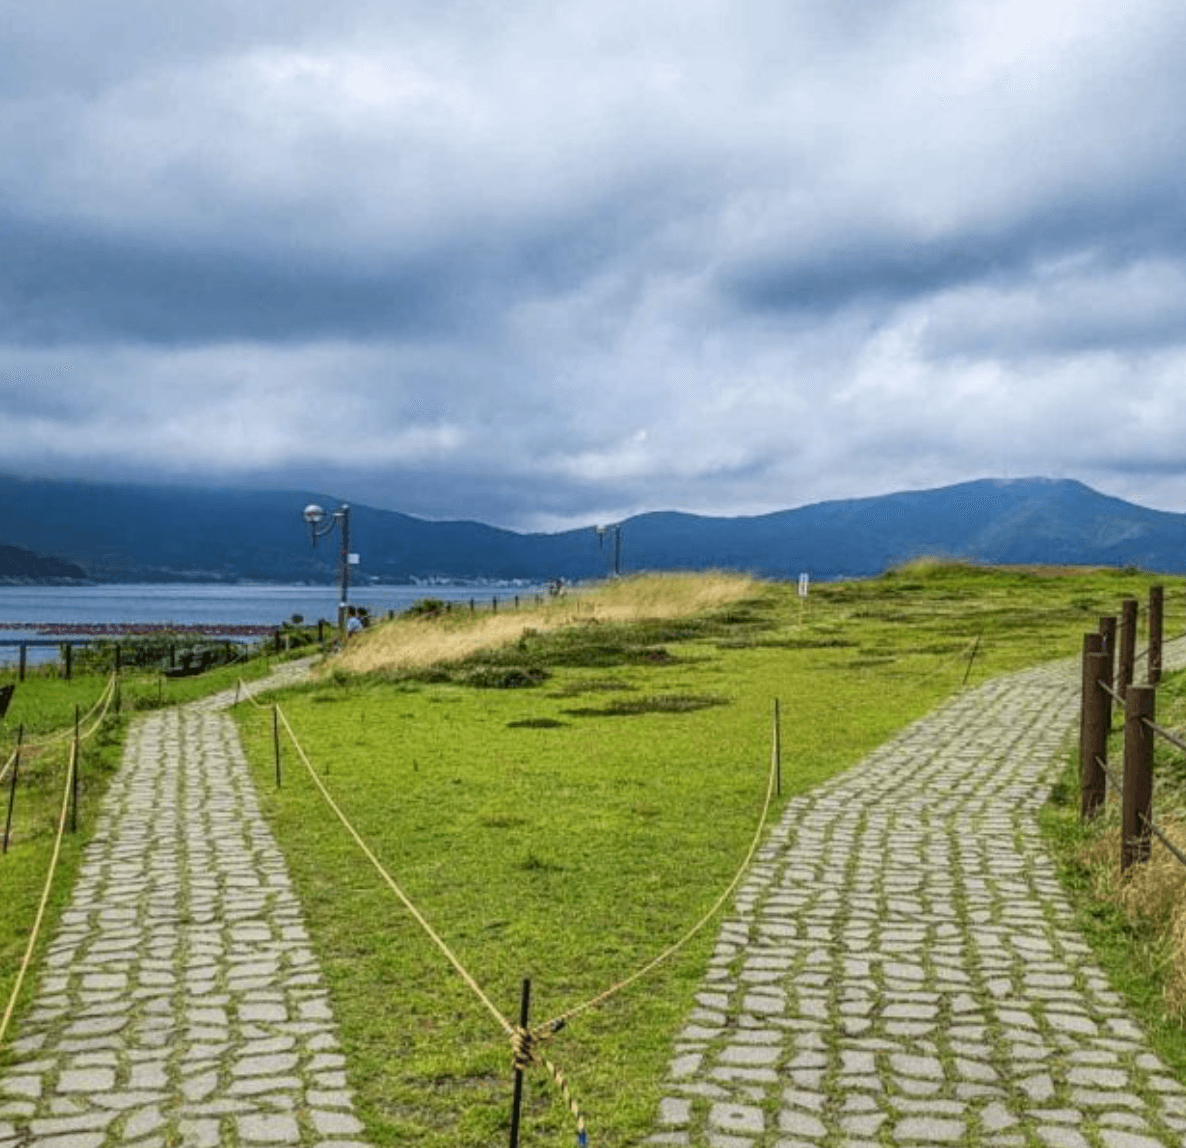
x,y
180,1003
902,967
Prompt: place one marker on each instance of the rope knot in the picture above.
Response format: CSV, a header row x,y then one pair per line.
x,y
522,1048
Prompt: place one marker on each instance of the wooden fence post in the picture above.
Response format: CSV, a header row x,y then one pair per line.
x,y
1128,645
69,651
24,656
1156,620
1094,739
1137,808
1092,644
1108,633
1108,630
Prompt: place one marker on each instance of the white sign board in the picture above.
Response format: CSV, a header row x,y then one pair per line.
x,y
352,559
804,579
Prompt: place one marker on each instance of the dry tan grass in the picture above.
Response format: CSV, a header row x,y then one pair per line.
x,y
1154,892
415,642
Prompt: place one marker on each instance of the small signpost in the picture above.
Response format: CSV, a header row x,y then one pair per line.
x,y
804,583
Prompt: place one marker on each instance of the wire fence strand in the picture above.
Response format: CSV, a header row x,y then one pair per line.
x,y
1157,831
1169,736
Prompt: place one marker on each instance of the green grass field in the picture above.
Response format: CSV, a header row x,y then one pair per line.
x,y
569,829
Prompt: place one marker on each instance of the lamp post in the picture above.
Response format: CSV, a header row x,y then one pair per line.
x,y
616,529
315,516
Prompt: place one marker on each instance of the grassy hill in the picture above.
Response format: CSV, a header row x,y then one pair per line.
x,y
565,802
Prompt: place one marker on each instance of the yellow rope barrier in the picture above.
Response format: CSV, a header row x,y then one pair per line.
x,y
259,705
671,950
104,700
53,864
391,883
107,697
524,1041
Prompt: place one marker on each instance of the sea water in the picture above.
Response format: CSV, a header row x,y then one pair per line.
x,y
253,604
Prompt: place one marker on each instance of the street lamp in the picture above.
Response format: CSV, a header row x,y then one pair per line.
x,y
315,516
616,529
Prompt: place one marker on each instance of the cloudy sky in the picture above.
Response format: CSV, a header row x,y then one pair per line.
x,y
544,263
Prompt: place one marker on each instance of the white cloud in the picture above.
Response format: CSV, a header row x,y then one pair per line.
x,y
534,263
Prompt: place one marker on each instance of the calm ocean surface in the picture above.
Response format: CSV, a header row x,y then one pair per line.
x,y
206,604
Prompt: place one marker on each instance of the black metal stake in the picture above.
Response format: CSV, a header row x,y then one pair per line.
x,y
777,748
517,1099
971,659
16,765
24,655
74,777
276,740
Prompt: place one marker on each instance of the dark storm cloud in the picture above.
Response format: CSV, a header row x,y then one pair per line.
x,y
540,264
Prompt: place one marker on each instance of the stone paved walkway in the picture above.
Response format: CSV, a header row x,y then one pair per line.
x,y
902,967
181,1004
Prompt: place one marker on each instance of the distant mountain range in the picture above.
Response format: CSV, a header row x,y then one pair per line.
x,y
23,566
127,533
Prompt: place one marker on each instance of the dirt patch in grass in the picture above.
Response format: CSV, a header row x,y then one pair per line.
x,y
653,704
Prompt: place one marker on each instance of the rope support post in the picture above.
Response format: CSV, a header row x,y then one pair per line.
x,y
74,776
16,765
1156,623
1128,646
971,659
1137,798
276,740
521,1063
776,749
